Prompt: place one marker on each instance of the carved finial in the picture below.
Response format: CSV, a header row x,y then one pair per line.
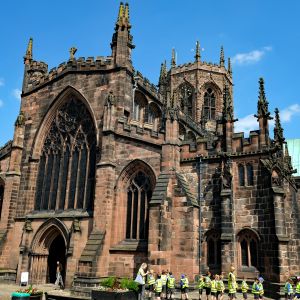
x,y
229,67
198,54
28,54
222,59
110,100
72,51
278,130
227,105
262,104
127,16
20,120
123,20
163,74
173,60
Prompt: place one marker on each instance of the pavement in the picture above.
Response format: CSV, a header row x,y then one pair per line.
x,y
7,289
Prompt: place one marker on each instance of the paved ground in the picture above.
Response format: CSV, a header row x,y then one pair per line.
x,y
6,290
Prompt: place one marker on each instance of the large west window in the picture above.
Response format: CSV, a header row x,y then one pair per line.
x,y
66,172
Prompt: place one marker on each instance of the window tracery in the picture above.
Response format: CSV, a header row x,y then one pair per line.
x,y
248,249
209,107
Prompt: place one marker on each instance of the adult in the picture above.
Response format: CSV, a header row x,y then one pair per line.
x,y
59,281
143,273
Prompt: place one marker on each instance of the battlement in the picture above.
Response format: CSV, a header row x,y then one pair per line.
x,y
146,84
4,150
39,74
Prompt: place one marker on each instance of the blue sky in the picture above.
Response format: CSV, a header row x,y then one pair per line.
x,y
262,38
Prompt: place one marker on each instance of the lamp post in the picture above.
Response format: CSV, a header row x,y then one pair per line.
x,y
199,173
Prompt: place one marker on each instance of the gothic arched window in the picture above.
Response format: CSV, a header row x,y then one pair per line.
x,y
186,95
66,172
213,249
241,171
139,107
152,115
1,197
249,174
209,108
139,193
248,248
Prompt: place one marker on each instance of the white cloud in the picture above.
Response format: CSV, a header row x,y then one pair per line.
x,y
1,81
249,122
250,57
246,124
1,103
287,113
17,94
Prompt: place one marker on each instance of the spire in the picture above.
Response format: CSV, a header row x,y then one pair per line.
x,y
123,20
227,105
222,60
278,130
198,54
173,60
229,67
28,54
163,74
262,104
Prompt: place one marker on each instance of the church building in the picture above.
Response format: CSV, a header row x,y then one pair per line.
x,y
107,170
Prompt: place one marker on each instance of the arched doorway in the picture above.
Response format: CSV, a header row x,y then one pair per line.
x,y
57,252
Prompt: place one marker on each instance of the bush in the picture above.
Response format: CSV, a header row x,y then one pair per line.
x,y
109,282
129,284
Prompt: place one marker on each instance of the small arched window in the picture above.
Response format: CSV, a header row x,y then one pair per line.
x,y
241,171
249,174
248,248
1,197
153,115
139,107
139,193
213,249
209,108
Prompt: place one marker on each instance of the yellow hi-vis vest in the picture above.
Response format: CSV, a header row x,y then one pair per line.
x,y
185,282
255,288
288,289
151,279
207,282
220,286
200,284
231,283
171,282
164,279
298,288
213,286
245,287
158,285
261,288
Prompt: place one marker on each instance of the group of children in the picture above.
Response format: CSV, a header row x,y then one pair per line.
x,y
163,286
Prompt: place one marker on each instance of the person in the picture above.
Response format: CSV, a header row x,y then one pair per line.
x,y
158,287
232,284
170,286
59,281
200,286
244,288
213,289
261,288
288,289
164,278
207,284
151,283
220,287
184,284
255,289
143,272
298,288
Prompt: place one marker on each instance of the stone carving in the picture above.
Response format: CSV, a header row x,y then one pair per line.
x,y
226,176
72,51
76,225
27,226
20,120
110,99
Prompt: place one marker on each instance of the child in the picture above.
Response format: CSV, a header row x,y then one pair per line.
x,y
288,289
158,287
298,288
214,287
255,289
200,286
164,278
220,287
151,283
245,288
261,288
207,284
171,286
184,284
